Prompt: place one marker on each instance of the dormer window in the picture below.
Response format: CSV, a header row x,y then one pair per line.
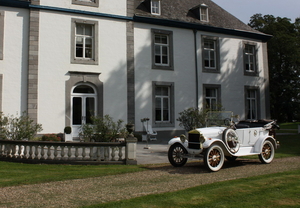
x,y
204,13
155,7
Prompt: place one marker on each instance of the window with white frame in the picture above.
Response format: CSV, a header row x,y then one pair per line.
x,y
84,42
94,3
163,97
162,49
155,7
204,12
250,59
252,109
1,33
212,96
210,54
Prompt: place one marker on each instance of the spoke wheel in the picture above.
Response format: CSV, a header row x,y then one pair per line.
x,y
214,158
267,153
175,155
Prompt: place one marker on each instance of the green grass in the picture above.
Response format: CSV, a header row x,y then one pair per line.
x,y
293,125
13,174
274,190
289,146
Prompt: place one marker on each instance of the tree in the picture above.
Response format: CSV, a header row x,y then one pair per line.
x,y
284,64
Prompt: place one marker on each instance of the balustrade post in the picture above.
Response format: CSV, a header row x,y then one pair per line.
x,y
69,152
25,152
83,153
55,152
30,152
13,151
42,152
120,153
36,152
19,151
91,153
106,153
113,153
98,153
49,152
62,152
130,150
76,153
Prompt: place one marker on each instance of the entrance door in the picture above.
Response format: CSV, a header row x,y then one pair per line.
x,y
83,107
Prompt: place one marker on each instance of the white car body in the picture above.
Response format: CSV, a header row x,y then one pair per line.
x,y
230,142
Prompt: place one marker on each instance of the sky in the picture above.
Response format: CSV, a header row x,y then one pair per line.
x,y
244,9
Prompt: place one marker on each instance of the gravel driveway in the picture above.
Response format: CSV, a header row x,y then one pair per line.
x,y
158,179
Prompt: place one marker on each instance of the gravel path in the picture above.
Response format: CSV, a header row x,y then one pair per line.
x,y
158,179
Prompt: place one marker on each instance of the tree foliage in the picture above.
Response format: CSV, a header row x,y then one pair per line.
x,y
192,118
18,128
103,129
284,64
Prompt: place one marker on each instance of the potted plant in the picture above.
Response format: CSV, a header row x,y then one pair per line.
x,y
68,135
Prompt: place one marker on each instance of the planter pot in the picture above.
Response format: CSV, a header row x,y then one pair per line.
x,y
68,138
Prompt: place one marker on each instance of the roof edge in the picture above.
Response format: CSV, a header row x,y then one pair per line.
x,y
207,28
15,3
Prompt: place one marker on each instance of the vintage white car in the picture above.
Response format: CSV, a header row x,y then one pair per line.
x,y
215,143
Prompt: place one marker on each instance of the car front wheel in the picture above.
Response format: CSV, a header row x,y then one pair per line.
x,y
267,153
214,158
176,155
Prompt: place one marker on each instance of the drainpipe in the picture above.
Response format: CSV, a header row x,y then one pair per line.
x,y
196,68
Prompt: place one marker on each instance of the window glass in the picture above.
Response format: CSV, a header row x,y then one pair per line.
x,y
83,89
94,3
161,50
162,104
212,97
155,7
210,55
84,41
204,14
249,58
251,104
77,111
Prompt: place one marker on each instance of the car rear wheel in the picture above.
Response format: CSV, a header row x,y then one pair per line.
x,y
267,153
214,158
176,155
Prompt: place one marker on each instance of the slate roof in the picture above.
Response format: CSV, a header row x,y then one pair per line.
x,y
182,11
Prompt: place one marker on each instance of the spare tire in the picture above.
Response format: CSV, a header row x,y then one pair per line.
x,y
231,139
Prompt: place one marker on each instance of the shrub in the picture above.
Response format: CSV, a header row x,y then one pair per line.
x,y
68,130
51,137
192,118
102,129
18,128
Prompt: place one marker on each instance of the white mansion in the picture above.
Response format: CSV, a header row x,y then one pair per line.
x,y
65,60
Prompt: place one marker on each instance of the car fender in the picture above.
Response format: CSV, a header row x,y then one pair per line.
x,y
259,143
212,141
178,140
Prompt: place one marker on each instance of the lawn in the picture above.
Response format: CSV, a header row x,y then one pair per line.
x,y
13,174
274,190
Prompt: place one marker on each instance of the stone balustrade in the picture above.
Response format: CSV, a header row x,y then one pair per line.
x,y
68,152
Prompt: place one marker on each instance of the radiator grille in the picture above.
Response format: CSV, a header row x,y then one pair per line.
x,y
194,142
